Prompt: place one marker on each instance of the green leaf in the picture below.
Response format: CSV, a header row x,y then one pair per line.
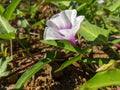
x,y
22,23
62,4
1,9
8,36
116,41
81,1
95,61
6,30
33,69
112,7
3,66
93,33
5,73
69,62
114,19
61,43
40,23
10,9
66,45
103,79
83,5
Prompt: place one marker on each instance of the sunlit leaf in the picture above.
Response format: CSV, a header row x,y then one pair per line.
x,y
3,66
6,30
10,9
103,79
115,4
116,41
93,33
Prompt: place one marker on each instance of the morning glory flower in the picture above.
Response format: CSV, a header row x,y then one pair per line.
x,y
63,26
100,1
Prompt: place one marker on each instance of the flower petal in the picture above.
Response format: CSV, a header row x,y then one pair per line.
x,y
71,15
80,18
78,22
51,24
60,21
51,34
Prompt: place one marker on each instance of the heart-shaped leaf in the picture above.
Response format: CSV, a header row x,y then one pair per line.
x,y
93,33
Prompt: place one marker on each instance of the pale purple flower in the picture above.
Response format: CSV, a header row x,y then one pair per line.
x,y
100,1
63,26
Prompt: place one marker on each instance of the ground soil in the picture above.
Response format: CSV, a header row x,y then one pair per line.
x,y
71,78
